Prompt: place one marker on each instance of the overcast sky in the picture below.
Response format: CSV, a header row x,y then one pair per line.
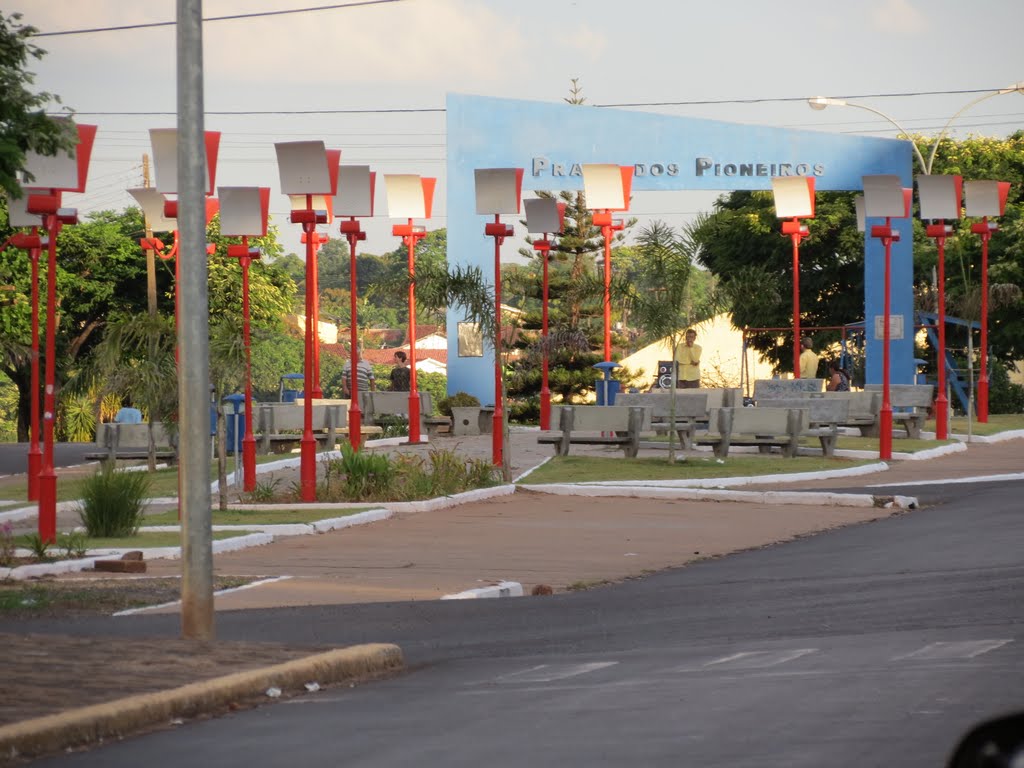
x,y
410,53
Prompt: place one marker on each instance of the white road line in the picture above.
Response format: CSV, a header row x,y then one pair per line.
x,y
546,673
964,649
955,480
748,660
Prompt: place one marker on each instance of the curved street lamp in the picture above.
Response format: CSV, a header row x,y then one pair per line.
x,y
794,200
545,216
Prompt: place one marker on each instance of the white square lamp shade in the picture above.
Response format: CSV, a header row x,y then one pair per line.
x,y
986,198
356,184
939,196
859,209
66,172
883,197
498,190
244,211
17,210
152,204
164,142
304,168
542,216
794,197
406,195
605,187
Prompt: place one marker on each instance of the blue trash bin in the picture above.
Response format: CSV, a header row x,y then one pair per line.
x,y
607,387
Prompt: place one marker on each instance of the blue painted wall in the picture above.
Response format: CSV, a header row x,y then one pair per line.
x,y
676,153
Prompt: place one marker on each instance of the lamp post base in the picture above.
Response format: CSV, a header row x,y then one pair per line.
x,y
48,505
308,467
941,416
885,433
35,461
249,462
983,398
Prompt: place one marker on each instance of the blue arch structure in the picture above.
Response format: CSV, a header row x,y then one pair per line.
x,y
551,141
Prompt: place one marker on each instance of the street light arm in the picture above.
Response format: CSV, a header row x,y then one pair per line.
x,y
821,102
1017,88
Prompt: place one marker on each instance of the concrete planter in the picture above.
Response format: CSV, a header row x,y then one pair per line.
x,y
466,421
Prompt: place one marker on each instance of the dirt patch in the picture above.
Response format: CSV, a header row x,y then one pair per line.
x,y
55,598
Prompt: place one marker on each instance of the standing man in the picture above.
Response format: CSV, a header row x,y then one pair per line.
x,y
364,376
808,360
400,373
687,359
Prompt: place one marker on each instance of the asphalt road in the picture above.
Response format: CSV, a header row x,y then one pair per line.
x,y
871,645
13,459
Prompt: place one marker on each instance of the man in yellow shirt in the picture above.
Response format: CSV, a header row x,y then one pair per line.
x,y
808,360
687,357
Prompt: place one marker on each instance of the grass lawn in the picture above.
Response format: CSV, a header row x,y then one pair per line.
x,y
269,517
997,422
899,444
583,469
139,541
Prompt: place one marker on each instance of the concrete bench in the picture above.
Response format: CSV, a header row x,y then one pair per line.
x,y
763,427
824,417
863,410
379,405
130,441
910,405
690,410
613,425
279,426
774,389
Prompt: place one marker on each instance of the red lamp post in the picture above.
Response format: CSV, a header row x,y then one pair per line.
x,y
607,189
32,244
985,199
498,191
355,198
410,197
939,198
545,216
244,213
320,203
794,200
885,198
308,168
54,175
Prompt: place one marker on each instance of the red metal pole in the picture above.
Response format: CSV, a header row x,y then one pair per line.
x,y
983,361
607,232
414,395
47,474
885,415
249,440
307,445
941,401
497,436
35,457
545,393
796,300
315,318
355,415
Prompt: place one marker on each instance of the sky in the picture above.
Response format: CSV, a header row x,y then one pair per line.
x,y
407,54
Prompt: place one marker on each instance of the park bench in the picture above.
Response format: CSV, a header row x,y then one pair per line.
x,y
611,425
863,410
910,405
763,427
377,406
824,417
690,410
279,426
130,441
773,389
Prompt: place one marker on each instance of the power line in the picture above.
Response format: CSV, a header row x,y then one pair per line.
x,y
233,17
423,110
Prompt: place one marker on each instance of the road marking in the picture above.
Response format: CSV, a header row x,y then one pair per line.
x,y
955,480
545,673
748,660
965,649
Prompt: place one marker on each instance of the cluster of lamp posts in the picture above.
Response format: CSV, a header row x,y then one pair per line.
x,y
939,199
320,189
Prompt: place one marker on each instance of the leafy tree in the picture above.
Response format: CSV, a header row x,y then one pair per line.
x,y
24,125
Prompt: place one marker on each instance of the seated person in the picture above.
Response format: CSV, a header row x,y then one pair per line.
x,y
128,415
839,380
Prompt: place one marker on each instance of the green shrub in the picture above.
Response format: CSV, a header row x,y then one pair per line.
x,y
458,400
113,503
361,474
1004,396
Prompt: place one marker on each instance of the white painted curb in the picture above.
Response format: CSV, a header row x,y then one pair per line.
x,y
803,498
444,502
726,482
501,589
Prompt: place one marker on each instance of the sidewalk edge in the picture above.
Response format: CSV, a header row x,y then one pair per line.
x,y
93,724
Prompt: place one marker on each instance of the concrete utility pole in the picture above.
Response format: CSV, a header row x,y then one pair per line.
x,y
193,334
